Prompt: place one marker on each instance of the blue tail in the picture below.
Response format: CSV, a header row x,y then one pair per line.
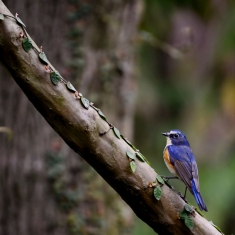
x,y
198,197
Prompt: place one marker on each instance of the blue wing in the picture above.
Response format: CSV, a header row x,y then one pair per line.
x,y
184,163
183,160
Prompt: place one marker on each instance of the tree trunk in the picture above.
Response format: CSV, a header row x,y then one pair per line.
x,y
46,188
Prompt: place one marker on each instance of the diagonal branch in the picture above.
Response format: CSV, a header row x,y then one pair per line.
x,y
80,128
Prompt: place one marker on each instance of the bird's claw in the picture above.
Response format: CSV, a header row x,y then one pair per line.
x,y
165,178
183,197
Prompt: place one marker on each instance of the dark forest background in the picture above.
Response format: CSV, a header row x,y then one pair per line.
x,y
151,66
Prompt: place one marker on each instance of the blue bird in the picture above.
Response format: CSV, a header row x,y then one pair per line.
x,y
180,161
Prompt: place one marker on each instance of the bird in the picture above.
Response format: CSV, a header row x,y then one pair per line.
x,y
181,162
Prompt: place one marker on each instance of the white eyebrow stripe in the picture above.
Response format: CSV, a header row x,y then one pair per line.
x,y
173,132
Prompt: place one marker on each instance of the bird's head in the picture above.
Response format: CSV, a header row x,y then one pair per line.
x,y
176,137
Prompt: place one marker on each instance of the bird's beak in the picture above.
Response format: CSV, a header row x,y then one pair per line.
x,y
165,133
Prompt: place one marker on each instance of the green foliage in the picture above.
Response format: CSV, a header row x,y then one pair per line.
x,y
133,166
140,156
71,87
20,22
131,155
117,132
185,215
101,114
188,208
129,143
27,44
157,192
55,77
189,222
43,58
85,102
160,179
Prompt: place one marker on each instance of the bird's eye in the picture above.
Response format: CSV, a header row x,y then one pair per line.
x,y
174,135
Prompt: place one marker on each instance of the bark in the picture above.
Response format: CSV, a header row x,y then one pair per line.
x,y
27,159
80,129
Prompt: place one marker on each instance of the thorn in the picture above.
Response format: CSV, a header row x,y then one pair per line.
x,y
16,15
40,48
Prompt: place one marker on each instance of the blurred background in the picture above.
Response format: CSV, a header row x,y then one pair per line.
x,y
151,66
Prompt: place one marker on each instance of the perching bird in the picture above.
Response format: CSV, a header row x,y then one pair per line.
x,y
180,161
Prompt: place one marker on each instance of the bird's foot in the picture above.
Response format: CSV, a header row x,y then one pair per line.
x,y
183,197
167,178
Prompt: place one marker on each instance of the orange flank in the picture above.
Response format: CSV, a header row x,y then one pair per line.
x,y
168,161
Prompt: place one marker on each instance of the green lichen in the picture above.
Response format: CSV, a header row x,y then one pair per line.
x,y
59,100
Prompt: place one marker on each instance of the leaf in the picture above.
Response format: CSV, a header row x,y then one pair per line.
x,y
27,44
117,132
95,108
70,87
43,57
187,218
128,142
133,147
144,158
130,154
189,222
133,166
101,114
188,208
157,192
2,17
139,155
183,214
160,179
55,77
20,21
85,102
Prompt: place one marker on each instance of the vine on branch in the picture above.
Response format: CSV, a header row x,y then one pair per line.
x,y
56,78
